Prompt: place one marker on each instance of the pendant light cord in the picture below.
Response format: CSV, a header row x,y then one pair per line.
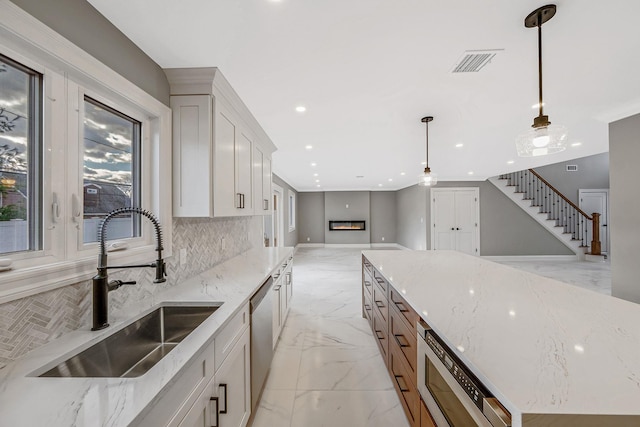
x,y
427,146
540,62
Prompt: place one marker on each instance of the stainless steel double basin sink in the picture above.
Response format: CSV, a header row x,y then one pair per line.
x,y
136,348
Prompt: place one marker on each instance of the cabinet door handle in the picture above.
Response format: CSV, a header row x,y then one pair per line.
x,y
277,288
211,401
401,378
378,333
265,204
76,211
224,411
239,201
367,283
406,343
380,304
367,307
242,199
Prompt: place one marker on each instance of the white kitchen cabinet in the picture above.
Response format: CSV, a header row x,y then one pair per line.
x,y
262,182
215,139
283,289
226,401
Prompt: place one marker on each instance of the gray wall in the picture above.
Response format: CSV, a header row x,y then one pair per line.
x,y
290,237
624,152
505,229
592,173
412,217
311,217
383,216
335,209
84,26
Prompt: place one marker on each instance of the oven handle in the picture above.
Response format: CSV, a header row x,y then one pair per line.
x,y
495,412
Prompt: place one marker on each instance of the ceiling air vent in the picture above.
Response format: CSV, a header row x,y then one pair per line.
x,y
473,61
572,168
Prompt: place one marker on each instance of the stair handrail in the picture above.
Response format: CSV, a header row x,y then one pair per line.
x,y
555,190
596,248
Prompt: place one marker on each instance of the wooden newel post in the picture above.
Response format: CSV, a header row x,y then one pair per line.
x,y
595,243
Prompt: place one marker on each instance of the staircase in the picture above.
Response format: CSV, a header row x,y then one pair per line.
x,y
552,210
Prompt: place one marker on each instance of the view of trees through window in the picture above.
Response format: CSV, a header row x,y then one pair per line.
x,y
20,146
111,170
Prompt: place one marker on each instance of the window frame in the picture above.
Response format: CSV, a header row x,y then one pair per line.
x,y
65,68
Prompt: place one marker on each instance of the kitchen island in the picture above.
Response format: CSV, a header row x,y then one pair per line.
x,y
552,353
28,400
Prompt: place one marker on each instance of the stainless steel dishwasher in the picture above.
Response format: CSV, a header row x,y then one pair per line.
x,y
261,338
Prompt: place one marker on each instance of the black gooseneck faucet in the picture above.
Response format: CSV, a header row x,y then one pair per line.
x,y
101,284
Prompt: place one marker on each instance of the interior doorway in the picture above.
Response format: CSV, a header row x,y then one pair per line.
x,y
597,200
278,217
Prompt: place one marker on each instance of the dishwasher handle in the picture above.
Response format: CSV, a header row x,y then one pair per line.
x,y
257,298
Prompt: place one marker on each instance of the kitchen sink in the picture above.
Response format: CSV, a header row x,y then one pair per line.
x,y
136,348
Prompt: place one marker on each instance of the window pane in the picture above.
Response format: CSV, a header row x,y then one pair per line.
x,y
111,170
20,148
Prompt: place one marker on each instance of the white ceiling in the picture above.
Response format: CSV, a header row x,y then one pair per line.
x,y
368,70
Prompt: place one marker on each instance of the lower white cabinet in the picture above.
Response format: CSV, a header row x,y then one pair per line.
x,y
283,290
226,401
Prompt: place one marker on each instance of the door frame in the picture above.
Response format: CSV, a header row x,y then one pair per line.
x,y
605,191
476,191
278,214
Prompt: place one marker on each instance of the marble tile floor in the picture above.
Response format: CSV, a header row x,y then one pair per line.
x,y
327,369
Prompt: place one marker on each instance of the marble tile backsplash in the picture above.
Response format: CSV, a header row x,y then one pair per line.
x,y
31,322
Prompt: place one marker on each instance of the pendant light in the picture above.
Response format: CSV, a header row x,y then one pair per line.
x,y
428,178
544,138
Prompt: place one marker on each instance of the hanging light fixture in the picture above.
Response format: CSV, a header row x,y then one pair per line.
x,y
427,178
544,138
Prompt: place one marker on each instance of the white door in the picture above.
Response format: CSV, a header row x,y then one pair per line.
x,y
455,219
597,201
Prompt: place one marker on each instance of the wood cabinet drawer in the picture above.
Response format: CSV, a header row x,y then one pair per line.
x,y
406,389
380,332
401,338
380,302
405,310
380,281
425,416
367,308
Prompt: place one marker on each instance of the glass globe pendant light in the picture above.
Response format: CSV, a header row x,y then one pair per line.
x,y
544,138
427,178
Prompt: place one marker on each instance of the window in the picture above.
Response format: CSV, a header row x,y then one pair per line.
x,y
77,139
20,154
292,210
111,170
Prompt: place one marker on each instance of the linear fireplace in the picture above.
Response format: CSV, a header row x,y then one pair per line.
x,y
347,225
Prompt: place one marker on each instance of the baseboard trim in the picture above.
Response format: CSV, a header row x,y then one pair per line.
x,y
348,245
351,245
310,245
500,258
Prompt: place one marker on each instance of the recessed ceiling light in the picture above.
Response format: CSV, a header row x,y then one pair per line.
x,y
315,174
402,173
301,108
318,185
460,145
308,147
359,176
576,144
470,173
379,185
510,162
317,180
390,179
314,164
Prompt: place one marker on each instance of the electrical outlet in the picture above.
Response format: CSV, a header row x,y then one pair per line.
x,y
223,244
183,256
383,239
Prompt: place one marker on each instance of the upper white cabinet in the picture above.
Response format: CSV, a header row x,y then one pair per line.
x,y
221,155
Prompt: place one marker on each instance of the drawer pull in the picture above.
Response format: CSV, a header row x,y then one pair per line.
x,y
380,304
401,378
401,307
378,333
214,399
224,411
406,343
367,307
366,283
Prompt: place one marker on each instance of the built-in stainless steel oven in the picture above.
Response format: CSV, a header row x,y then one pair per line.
x,y
453,395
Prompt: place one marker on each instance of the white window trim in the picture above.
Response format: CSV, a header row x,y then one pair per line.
x,y
292,210
22,37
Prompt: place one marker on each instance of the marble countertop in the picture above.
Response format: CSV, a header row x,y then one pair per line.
x,y
26,400
540,345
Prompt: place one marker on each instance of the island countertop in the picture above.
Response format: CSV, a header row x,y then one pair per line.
x,y
540,345
27,400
